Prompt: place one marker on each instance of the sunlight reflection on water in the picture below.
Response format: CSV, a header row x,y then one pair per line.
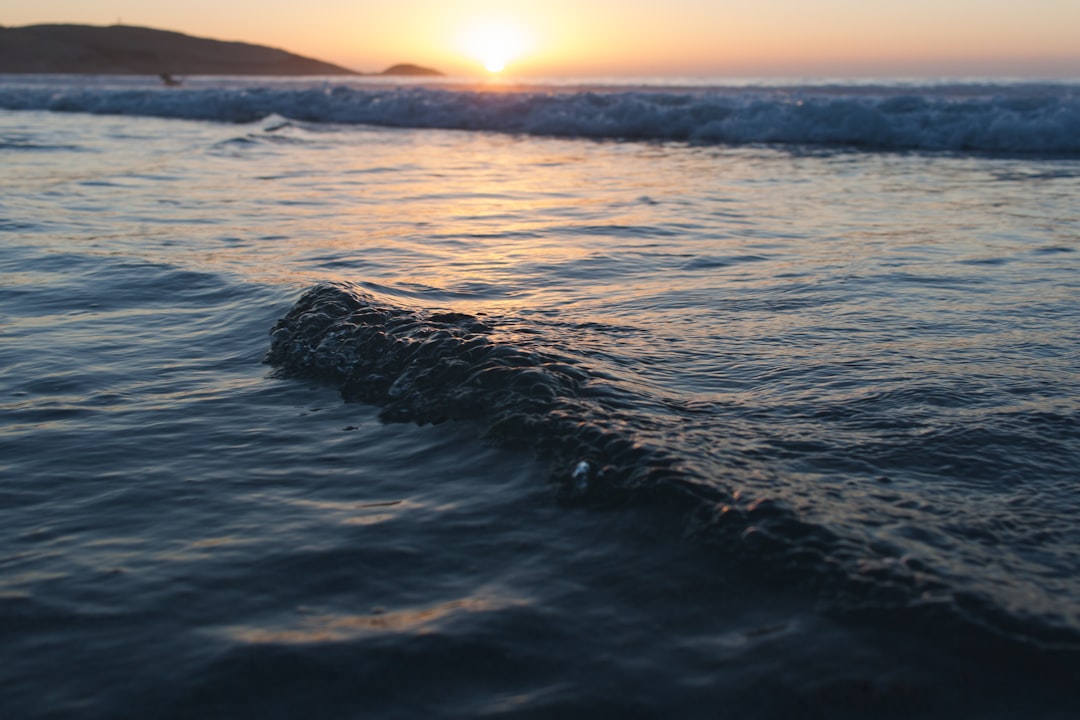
x,y
881,345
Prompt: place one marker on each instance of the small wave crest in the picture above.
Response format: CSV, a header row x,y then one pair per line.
x,y
1042,121
429,366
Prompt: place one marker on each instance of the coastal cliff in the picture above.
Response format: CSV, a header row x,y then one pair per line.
x,y
129,50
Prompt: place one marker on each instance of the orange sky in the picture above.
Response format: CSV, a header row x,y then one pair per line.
x,y
628,37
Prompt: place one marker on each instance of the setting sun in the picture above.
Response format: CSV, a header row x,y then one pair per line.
x,y
494,43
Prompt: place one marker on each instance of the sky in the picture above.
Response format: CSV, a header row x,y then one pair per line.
x,y
594,38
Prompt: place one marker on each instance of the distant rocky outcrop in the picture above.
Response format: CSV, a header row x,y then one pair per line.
x,y
411,70
128,50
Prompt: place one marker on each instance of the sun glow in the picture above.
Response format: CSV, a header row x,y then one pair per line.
x,y
494,43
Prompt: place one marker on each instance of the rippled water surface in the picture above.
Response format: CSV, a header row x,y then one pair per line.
x,y
827,400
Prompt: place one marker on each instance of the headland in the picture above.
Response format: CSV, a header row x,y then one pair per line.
x,y
130,50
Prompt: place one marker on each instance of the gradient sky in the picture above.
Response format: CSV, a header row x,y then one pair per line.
x,y
627,37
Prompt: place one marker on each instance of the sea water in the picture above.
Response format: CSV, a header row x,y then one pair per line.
x,y
697,400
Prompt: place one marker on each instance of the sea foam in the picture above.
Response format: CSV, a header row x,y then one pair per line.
x,y
1025,119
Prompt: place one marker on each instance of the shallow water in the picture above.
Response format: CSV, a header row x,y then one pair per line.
x,y
847,379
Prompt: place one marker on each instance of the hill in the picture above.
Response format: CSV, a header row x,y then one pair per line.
x,y
129,50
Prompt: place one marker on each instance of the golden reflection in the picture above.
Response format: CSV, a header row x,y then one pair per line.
x,y
218,542
333,627
358,513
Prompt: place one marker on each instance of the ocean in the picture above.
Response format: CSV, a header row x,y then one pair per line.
x,y
578,399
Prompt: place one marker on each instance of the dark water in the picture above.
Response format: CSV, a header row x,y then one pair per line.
x,y
826,403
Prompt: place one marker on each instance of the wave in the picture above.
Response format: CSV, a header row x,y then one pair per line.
x,y
429,366
1033,120
432,367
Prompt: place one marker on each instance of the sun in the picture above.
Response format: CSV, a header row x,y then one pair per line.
x,y
494,43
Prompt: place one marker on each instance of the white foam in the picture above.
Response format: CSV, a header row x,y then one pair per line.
x,y
1029,119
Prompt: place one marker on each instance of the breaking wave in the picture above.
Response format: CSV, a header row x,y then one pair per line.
x,y
1010,119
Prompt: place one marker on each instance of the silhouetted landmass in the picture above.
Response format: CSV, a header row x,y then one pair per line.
x,y
414,70
128,50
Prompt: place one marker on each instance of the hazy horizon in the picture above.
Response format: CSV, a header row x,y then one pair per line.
x,y
836,38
